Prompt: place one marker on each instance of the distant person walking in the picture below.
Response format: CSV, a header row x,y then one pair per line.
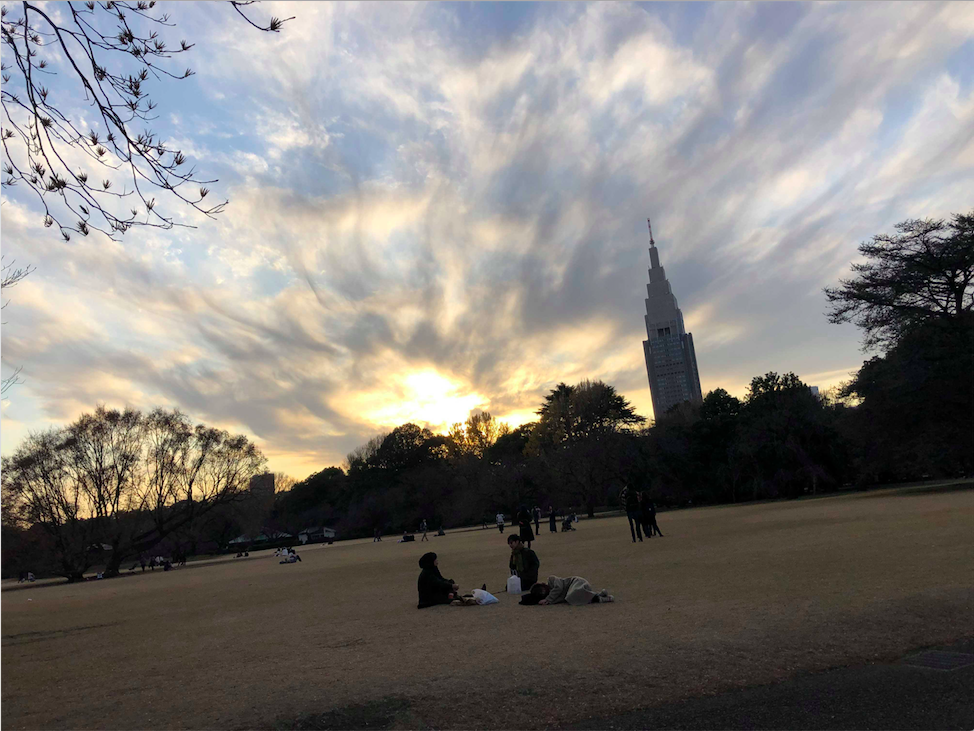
x,y
524,562
537,520
552,516
500,522
377,538
524,526
422,527
632,503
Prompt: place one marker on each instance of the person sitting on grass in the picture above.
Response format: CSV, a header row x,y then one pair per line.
x,y
290,556
433,588
572,590
524,562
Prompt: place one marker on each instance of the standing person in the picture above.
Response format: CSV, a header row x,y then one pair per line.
x,y
652,519
500,522
377,538
644,513
524,525
553,514
537,520
631,499
524,562
422,527
433,588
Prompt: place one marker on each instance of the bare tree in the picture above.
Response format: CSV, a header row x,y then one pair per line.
x,y
112,52
364,454
283,482
124,479
11,276
38,487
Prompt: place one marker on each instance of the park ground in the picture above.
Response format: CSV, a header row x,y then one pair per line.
x,y
732,597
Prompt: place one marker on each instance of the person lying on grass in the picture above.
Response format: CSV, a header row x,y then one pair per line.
x,y
572,590
524,562
433,588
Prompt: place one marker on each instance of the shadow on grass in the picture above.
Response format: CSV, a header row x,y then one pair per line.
x,y
380,714
24,638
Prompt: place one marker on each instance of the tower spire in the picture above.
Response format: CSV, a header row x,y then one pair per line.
x,y
650,223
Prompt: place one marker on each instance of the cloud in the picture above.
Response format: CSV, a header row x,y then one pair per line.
x,y
438,208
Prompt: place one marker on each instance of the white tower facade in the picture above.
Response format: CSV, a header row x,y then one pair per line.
x,y
671,361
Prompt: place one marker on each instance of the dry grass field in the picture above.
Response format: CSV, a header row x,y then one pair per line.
x,y
731,596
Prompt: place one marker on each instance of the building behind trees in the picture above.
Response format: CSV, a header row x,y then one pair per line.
x,y
671,361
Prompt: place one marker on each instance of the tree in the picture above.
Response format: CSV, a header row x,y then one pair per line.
x,y
109,53
583,436
915,414
557,417
124,479
283,482
924,275
478,433
713,451
401,448
11,275
360,457
785,437
913,298
37,485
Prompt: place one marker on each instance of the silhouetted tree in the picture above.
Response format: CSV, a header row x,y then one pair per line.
x,y
583,435
924,275
124,479
11,276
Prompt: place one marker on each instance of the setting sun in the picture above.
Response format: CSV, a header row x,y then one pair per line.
x,y
425,397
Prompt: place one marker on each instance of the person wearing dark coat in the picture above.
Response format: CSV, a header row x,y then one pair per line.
x,y
524,562
433,588
551,520
524,526
654,528
644,512
633,512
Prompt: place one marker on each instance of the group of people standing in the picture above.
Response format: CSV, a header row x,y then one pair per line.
x,y
641,512
524,517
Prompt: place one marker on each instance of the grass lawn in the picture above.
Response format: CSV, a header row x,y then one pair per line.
x,y
731,596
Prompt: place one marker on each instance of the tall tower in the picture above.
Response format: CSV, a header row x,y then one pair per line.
x,y
670,359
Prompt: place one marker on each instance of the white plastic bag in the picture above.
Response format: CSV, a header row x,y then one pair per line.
x,y
483,597
514,585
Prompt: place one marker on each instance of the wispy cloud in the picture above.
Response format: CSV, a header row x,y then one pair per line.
x,y
439,208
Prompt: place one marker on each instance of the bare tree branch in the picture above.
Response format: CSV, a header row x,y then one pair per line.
x,y
113,51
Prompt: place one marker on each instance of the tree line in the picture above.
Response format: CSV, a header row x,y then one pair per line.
x,y
115,484
907,414
130,482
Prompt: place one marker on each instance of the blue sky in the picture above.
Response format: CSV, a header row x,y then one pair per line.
x,y
440,208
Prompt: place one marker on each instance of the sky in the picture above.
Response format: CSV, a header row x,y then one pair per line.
x,y
438,209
